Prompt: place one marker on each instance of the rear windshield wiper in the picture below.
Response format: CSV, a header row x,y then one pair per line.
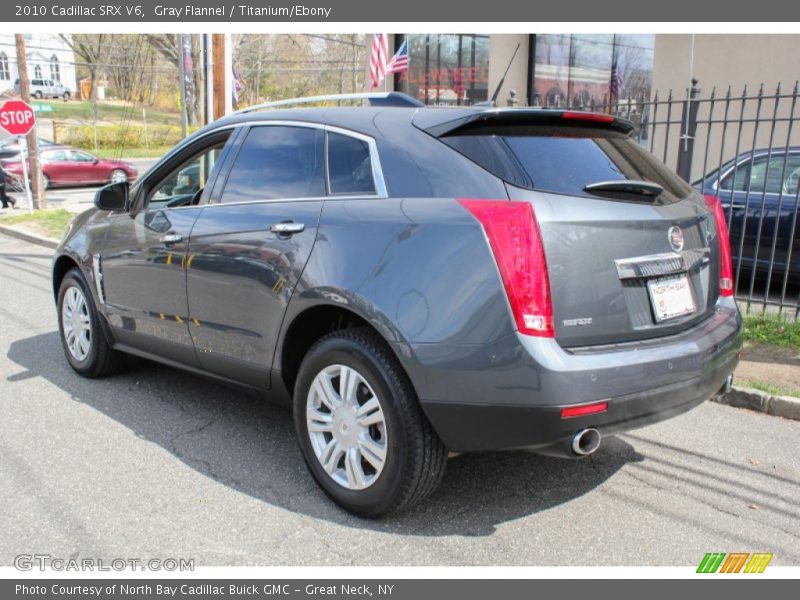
x,y
643,190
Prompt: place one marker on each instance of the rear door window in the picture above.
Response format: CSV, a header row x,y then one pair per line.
x,y
349,165
565,160
277,162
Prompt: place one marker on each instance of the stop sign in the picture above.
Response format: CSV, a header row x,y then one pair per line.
x,y
17,117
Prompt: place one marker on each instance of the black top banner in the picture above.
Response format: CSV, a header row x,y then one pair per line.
x,y
266,11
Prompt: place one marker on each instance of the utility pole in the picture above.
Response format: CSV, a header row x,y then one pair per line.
x,y
218,68
37,184
182,77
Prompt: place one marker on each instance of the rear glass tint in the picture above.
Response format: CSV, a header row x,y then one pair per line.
x,y
565,160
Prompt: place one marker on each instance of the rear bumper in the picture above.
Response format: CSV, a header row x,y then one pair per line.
x,y
511,395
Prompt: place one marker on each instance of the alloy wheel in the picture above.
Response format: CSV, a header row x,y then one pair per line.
x,y
76,323
347,427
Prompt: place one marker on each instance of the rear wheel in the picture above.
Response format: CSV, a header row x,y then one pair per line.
x,y
38,94
86,348
66,96
118,176
46,181
360,428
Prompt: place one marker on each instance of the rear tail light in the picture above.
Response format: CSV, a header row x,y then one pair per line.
x,y
571,412
725,263
516,242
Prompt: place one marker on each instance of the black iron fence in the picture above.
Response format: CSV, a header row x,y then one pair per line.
x,y
742,146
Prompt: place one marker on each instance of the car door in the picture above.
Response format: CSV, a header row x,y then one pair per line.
x,y
248,249
56,166
145,251
759,195
84,168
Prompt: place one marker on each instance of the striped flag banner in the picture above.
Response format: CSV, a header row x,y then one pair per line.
x,y
378,59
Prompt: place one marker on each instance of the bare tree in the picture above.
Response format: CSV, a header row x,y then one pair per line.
x,y
90,48
168,45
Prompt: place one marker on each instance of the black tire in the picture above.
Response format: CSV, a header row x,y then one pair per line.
x,y
46,182
101,359
38,95
415,456
66,96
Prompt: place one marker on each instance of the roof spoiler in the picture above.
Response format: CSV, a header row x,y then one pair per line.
x,y
474,121
386,99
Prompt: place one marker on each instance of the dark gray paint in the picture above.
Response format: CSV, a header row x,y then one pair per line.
x,y
416,266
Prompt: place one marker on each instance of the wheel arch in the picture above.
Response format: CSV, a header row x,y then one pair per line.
x,y
313,322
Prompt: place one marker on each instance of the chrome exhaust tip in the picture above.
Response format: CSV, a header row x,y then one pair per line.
x,y
729,383
586,441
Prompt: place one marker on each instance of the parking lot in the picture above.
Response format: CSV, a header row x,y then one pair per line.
x,y
159,463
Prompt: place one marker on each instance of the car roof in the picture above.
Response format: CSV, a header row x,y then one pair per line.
x,y
363,118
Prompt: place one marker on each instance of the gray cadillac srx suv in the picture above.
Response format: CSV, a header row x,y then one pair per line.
x,y
414,281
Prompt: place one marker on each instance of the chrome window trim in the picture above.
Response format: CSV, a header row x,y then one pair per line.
x,y
377,170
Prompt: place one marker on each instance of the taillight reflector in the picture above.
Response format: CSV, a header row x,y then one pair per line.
x,y
516,242
583,410
587,116
725,263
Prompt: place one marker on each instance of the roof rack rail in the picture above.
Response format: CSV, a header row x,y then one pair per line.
x,y
397,99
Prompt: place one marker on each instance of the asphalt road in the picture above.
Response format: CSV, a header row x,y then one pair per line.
x,y
158,463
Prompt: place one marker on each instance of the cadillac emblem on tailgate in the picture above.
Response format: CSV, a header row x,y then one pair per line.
x,y
675,236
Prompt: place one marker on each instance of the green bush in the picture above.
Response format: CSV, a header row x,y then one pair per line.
x,y
116,137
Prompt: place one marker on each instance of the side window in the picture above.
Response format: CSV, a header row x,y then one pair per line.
x,y
277,162
182,186
77,156
763,176
54,156
349,166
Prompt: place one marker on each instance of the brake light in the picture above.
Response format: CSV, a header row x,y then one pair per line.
x,y
516,242
577,115
571,412
725,263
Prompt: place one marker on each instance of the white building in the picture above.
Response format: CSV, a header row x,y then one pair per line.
x,y
49,57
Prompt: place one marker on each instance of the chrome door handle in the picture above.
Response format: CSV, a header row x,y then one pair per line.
x,y
287,228
170,238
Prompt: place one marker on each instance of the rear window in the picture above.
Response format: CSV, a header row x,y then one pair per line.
x,y
565,160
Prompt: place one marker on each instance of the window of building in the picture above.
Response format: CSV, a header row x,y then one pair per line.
x,y
5,74
37,72
446,69
590,71
277,162
55,68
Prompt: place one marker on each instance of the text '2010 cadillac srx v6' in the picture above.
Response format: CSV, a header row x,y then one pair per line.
x,y
414,281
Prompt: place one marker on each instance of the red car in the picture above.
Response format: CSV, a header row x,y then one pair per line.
x,y
66,166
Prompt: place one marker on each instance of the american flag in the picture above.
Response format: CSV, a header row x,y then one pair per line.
x,y
377,60
399,61
617,81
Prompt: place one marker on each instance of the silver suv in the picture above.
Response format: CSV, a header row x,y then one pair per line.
x,y
47,88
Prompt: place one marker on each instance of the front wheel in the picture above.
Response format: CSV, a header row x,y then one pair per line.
x,y
360,428
86,348
66,96
118,176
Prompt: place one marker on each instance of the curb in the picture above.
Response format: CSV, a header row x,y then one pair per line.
x,y
29,237
787,407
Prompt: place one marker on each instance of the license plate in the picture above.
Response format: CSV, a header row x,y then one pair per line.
x,y
671,297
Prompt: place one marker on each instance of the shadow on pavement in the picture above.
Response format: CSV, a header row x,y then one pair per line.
x,y
249,445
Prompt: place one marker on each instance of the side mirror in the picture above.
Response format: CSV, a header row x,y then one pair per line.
x,y
113,196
